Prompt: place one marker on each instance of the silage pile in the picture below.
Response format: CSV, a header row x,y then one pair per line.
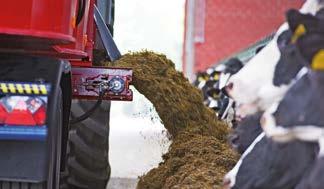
x,y
198,156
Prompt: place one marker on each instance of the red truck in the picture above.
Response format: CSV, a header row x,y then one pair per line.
x,y
47,59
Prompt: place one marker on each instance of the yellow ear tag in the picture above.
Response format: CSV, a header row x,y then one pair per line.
x,y
318,60
300,30
216,77
215,96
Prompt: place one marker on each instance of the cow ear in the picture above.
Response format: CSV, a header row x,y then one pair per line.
x,y
296,24
300,23
294,18
318,61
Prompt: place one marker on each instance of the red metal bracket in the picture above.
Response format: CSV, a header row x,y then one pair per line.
x,y
87,82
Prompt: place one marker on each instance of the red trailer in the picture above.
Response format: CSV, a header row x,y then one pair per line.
x,y
46,57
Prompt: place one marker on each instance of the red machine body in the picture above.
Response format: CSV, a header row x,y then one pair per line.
x,y
46,27
46,53
50,28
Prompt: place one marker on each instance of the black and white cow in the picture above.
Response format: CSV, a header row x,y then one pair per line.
x,y
300,113
245,132
270,165
288,68
252,86
215,97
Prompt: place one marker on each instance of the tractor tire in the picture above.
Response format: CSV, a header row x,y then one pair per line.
x,y
87,157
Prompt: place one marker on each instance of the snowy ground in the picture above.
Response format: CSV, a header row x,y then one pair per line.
x,y
137,138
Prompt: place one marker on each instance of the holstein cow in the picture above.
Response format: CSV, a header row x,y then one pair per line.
x,y
291,62
216,99
287,70
302,107
245,132
270,165
300,113
252,86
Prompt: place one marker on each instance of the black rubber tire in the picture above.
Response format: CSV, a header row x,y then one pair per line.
x,y
87,158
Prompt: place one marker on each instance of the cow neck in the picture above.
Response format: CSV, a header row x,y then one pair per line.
x,y
317,79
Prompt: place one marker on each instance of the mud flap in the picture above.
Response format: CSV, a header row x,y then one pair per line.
x,y
34,161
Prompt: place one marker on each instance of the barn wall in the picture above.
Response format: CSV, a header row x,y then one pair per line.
x,y
229,26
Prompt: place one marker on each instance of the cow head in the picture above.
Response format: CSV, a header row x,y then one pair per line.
x,y
290,62
245,132
231,67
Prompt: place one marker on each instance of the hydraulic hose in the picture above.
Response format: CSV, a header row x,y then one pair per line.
x,y
90,111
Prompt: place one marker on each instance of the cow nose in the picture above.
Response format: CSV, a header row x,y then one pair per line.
x,y
229,88
226,183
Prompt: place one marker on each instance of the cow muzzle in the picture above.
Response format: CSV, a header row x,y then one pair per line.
x,y
227,183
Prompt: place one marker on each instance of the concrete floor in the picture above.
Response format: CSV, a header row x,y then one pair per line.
x,y
137,138
122,183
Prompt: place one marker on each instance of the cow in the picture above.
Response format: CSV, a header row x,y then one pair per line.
x,y
288,69
299,114
252,86
313,178
270,165
215,97
245,132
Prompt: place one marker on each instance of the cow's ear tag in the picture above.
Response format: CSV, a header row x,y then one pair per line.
x,y
318,61
200,78
216,77
300,30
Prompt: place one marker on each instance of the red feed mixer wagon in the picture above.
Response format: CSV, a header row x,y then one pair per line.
x,y
46,57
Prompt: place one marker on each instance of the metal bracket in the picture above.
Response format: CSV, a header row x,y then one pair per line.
x,y
88,82
106,37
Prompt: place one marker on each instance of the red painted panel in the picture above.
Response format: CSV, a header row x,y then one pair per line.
x,y
233,25
39,26
39,17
